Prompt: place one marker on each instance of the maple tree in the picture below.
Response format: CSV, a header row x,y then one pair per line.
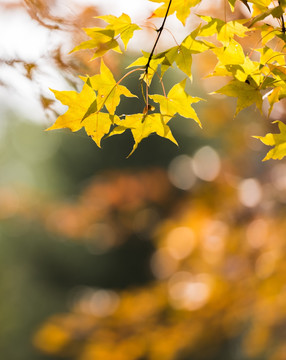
x,y
254,75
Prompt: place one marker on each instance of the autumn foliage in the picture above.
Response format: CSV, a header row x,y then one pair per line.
x,y
253,74
212,218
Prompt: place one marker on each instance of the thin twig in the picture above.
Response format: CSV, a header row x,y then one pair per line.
x,y
283,29
159,34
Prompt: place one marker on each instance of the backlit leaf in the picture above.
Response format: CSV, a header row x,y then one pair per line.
x,y
96,124
181,7
142,126
231,54
276,140
225,31
101,42
245,93
109,91
177,101
121,26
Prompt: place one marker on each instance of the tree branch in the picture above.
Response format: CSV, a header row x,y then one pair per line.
x,y
159,34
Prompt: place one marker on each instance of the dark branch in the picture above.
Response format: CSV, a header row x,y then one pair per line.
x,y
282,20
159,34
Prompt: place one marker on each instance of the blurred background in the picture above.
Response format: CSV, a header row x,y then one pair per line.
x,y
173,253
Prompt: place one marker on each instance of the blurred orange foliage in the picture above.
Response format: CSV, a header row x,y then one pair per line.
x,y
218,265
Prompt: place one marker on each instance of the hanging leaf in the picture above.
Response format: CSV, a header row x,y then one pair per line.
x,y
181,7
79,114
177,101
109,91
276,140
142,126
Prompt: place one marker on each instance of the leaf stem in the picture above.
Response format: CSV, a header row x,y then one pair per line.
x,y
116,84
158,37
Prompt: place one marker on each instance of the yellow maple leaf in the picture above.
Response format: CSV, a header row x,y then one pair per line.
x,y
142,126
78,103
82,112
121,26
109,91
230,54
181,7
276,140
177,101
225,31
245,93
101,42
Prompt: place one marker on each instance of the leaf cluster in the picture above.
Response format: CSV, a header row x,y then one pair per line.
x,y
253,75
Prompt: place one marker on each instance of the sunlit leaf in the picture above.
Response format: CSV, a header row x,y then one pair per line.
x,y
142,126
78,103
245,93
231,54
177,101
101,42
121,26
152,68
225,31
109,91
181,7
276,140
82,112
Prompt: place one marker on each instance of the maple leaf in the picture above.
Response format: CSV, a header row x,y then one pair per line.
x,y
101,42
267,55
225,31
245,93
78,103
279,84
103,39
109,91
177,101
80,115
276,12
181,55
121,26
152,68
276,140
142,126
230,54
181,7
189,47
248,71
97,125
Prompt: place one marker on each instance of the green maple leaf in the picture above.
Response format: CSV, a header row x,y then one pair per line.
x,y
177,101
276,140
121,26
181,7
142,126
245,93
79,114
109,91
